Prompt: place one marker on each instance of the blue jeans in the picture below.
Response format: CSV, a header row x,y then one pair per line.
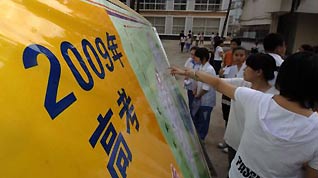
x,y
201,121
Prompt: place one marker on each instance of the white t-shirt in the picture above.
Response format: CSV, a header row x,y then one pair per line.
x,y
191,64
234,72
217,51
209,98
275,142
235,125
279,61
212,37
188,40
182,39
190,84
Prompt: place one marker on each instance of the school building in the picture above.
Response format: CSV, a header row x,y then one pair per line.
x,y
296,20
171,16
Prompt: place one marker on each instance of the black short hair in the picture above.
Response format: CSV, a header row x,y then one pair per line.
x,y
272,41
307,47
194,48
217,43
238,48
265,62
297,79
237,41
315,49
202,53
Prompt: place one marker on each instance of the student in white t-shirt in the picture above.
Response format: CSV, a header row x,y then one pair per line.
x,y
182,42
189,84
205,94
188,42
197,38
280,137
212,39
259,71
218,55
235,70
274,45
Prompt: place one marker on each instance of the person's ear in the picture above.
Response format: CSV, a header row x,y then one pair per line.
x,y
281,50
259,72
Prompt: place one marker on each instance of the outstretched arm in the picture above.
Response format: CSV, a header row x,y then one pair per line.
x,y
217,83
310,172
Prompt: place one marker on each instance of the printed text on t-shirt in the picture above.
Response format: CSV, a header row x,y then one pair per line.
x,y
244,170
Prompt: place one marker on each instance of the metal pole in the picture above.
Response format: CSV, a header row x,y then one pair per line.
x,y
226,18
295,5
138,5
132,4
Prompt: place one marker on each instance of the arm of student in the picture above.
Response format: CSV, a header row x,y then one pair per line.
x,y
222,72
221,53
202,92
224,59
238,82
217,83
311,168
310,172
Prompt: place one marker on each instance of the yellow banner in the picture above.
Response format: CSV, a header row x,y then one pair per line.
x,y
71,105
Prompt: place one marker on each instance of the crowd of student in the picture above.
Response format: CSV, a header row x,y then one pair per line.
x,y
269,106
194,40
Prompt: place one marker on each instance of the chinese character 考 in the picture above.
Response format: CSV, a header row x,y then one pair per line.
x,y
127,109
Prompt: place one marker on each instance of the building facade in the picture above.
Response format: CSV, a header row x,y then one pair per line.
x,y
296,20
170,17
256,19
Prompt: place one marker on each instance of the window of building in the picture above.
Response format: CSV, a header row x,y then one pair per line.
x,y
208,5
254,31
178,25
206,25
158,22
233,5
153,4
231,20
180,4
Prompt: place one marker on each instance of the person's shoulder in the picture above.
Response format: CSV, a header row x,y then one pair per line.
x,y
188,62
238,82
248,92
228,53
279,60
209,68
272,90
219,48
233,68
